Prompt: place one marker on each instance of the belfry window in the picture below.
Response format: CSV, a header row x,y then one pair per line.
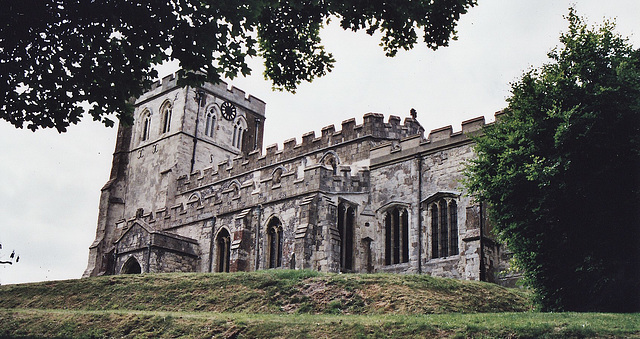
x,y
146,124
274,243
444,228
346,220
165,113
210,122
396,230
223,242
239,130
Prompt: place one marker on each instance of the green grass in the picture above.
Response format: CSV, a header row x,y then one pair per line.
x,y
133,324
271,291
288,304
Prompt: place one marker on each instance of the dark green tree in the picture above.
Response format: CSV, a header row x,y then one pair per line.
x,y
57,54
559,170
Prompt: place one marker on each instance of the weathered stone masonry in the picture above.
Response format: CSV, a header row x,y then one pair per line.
x,y
190,190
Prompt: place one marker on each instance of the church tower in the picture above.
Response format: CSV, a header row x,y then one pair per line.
x,y
176,130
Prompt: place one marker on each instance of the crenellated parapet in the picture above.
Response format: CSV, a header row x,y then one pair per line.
x,y
373,127
438,139
221,89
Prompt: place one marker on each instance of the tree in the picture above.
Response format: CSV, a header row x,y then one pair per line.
x,y
58,56
559,170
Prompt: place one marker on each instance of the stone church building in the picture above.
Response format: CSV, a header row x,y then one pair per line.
x,y
190,190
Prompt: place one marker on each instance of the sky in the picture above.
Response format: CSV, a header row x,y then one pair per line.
x,y
50,183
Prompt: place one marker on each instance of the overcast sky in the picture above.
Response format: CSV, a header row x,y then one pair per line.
x,y
50,183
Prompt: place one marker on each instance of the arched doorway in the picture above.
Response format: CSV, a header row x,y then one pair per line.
x,y
223,243
131,266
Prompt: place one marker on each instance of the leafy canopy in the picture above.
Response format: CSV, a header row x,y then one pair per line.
x,y
559,170
56,55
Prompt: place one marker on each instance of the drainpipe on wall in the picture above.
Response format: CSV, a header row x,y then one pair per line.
x,y
200,99
213,227
419,214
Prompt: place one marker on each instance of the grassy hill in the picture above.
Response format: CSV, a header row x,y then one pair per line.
x,y
285,303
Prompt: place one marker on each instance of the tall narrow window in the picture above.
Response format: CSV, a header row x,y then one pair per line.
x,y
210,122
396,222
346,220
274,242
146,122
165,113
444,228
223,243
239,128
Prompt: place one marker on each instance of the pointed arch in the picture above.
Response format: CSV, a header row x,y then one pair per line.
x,y
346,223
274,242
211,115
166,111
131,266
223,250
145,119
239,129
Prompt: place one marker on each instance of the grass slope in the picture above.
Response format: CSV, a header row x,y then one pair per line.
x,y
271,291
287,304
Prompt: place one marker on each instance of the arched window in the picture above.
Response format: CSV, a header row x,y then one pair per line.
x,y
131,266
223,242
165,113
210,122
146,125
274,243
239,128
396,229
444,228
346,220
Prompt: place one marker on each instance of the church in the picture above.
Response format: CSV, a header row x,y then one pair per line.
x,y
191,190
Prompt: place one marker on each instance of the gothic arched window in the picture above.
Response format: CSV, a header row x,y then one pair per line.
x,y
396,230
210,122
346,221
444,228
146,125
239,129
165,113
223,242
274,243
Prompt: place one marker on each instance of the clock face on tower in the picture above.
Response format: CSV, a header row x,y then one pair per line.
x,y
228,110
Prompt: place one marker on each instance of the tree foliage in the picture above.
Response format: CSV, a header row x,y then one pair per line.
x,y
560,171
56,55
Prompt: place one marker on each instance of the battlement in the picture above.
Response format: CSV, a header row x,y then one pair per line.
x,y
438,138
230,196
221,89
373,127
